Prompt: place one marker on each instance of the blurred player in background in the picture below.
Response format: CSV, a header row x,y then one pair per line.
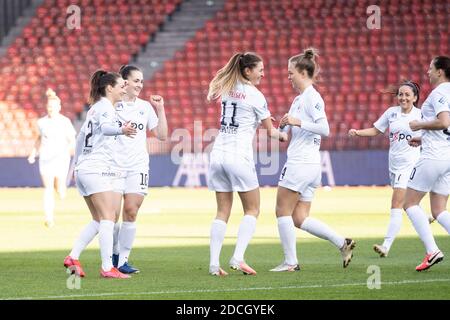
x,y
302,172
432,172
232,167
402,156
54,146
134,158
97,173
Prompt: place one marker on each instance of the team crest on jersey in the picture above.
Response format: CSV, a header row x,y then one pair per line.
x,y
141,113
393,116
318,106
119,107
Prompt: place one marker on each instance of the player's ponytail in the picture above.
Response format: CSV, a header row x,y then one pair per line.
x,y
99,81
307,61
234,71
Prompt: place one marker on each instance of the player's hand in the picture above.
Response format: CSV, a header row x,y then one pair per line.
x,y
283,137
289,120
31,159
352,132
415,141
157,101
128,130
415,125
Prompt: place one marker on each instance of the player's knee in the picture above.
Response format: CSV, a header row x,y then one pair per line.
x,y
407,205
397,204
298,221
130,213
223,215
252,212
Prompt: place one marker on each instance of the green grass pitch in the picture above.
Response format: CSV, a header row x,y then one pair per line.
x,y
172,251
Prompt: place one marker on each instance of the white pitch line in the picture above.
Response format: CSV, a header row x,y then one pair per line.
x,y
110,294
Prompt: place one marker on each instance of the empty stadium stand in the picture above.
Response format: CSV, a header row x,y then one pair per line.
x,y
356,62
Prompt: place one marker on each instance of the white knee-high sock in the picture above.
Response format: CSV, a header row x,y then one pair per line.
x,y
62,189
321,230
116,247
126,238
286,229
245,234
105,239
217,235
85,237
49,203
422,226
395,223
444,220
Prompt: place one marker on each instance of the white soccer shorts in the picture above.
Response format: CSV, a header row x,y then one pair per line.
x,y
229,173
431,175
136,182
303,178
89,183
399,179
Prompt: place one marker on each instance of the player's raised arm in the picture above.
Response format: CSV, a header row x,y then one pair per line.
x,y
161,130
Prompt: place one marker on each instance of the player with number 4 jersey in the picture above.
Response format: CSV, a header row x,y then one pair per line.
x,y
302,172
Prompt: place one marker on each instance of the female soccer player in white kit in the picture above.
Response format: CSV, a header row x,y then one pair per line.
x,y
302,172
432,171
134,158
98,176
402,156
56,143
232,167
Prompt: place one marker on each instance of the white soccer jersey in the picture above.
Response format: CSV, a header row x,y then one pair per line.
x,y
133,153
243,108
56,134
304,145
436,143
401,155
99,151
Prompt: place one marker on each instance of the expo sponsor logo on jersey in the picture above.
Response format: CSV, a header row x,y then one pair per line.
x,y
134,125
397,136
